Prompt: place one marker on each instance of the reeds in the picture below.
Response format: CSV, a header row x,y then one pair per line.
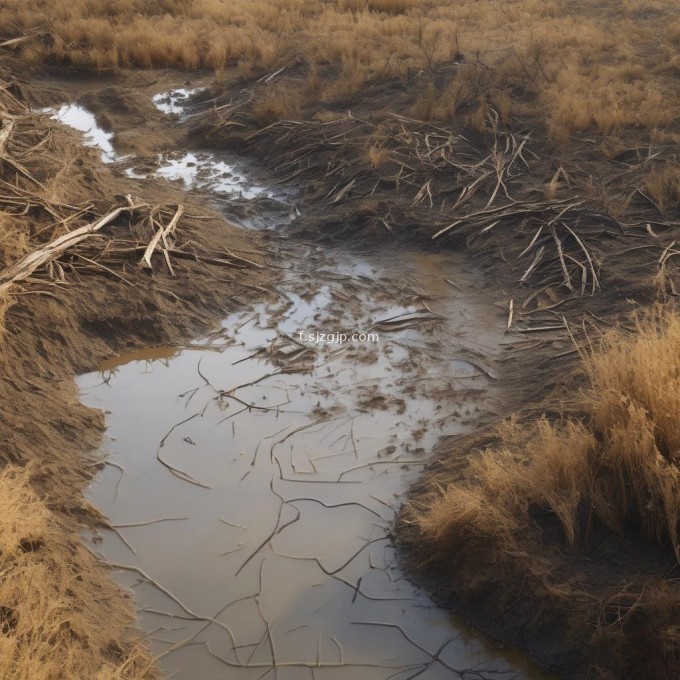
x,y
576,66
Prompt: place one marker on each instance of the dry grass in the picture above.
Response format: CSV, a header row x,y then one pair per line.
x,y
278,103
572,527
497,504
577,65
662,184
621,465
14,241
46,628
53,592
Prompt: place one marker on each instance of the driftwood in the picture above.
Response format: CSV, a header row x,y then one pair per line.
x,y
163,234
444,184
29,263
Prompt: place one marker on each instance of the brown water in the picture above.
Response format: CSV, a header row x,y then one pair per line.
x,y
261,472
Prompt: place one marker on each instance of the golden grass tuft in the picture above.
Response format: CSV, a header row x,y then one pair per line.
x,y
663,185
280,102
495,504
46,629
377,155
621,464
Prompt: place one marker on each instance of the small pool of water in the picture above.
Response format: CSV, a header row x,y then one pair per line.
x,y
174,102
79,118
202,171
252,477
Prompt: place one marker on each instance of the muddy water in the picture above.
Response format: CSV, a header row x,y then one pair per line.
x,y
253,475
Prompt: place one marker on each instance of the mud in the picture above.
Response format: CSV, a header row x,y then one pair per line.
x,y
260,468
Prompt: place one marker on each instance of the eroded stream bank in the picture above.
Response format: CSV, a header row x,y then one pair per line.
x,y
253,476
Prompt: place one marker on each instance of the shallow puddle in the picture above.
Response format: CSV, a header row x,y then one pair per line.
x,y
202,171
253,476
205,171
175,102
79,118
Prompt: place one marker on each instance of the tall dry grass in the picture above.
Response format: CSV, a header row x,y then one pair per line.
x,y
45,626
619,465
576,65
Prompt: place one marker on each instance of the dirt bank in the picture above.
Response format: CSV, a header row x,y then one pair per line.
x,y
61,615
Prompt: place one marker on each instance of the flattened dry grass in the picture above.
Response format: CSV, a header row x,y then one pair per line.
x,y
620,465
575,65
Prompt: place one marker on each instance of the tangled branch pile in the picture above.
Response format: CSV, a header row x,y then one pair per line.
x,y
543,221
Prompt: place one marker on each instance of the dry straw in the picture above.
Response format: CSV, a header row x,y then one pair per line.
x,y
618,464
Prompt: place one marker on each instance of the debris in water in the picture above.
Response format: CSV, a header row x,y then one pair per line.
x,y
174,102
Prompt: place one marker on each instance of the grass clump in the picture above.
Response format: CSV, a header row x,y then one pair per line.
x,y
571,528
505,487
620,464
45,618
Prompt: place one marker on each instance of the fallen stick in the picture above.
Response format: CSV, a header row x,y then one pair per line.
x,y
17,41
565,272
5,134
147,523
29,263
161,234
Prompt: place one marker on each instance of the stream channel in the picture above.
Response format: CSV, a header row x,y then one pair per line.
x,y
252,475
